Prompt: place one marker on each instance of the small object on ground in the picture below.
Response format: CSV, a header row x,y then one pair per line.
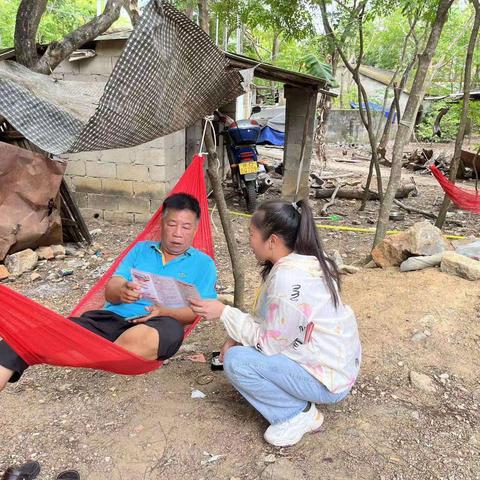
x,y
422,382
213,458
65,273
35,276
216,363
397,216
197,358
198,394
68,475
28,471
204,379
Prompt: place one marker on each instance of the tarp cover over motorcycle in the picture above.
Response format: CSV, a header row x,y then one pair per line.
x,y
169,75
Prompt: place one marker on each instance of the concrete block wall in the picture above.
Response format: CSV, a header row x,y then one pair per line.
x,y
124,185
345,126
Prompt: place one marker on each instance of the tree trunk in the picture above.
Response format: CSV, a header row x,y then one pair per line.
x,y
203,16
405,127
29,14
275,47
365,114
467,85
237,264
58,51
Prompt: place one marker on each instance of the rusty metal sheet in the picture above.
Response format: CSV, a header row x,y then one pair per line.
x,y
29,200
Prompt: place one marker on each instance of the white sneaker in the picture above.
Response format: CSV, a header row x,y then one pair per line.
x,y
291,432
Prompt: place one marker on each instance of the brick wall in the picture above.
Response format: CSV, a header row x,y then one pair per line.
x,y
124,185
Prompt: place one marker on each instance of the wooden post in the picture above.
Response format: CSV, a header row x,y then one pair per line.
x,y
299,130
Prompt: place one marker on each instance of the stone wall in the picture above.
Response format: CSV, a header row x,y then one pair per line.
x,y
124,185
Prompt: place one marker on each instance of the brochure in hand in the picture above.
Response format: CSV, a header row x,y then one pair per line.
x,y
164,290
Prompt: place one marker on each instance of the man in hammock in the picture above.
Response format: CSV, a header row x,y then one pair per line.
x,y
157,331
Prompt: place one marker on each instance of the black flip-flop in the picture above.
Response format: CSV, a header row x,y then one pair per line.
x,y
28,471
68,475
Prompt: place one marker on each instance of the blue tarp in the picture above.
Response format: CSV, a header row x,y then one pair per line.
x,y
376,108
271,136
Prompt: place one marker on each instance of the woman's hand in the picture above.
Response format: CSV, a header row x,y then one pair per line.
x,y
207,309
229,343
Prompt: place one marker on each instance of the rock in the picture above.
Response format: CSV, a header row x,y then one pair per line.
x,y
422,382
282,469
226,298
71,249
21,262
4,273
419,337
426,239
456,264
35,276
58,250
419,263
270,458
392,251
422,239
349,269
337,258
45,253
95,232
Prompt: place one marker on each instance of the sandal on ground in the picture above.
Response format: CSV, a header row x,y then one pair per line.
x,y
68,475
28,471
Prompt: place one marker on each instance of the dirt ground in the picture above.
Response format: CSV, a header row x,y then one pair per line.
x,y
148,427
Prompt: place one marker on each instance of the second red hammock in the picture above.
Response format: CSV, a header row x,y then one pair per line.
x,y
464,199
40,335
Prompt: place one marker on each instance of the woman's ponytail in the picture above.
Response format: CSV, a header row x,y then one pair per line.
x,y
308,243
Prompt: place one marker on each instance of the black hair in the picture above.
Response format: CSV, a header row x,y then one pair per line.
x,y
182,201
294,223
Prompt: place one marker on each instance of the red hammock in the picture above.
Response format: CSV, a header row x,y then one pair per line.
x,y
40,335
464,199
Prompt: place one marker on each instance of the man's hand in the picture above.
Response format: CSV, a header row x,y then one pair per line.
x,y
155,311
129,292
207,309
229,343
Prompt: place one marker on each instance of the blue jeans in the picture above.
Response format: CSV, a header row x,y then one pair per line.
x,y
276,386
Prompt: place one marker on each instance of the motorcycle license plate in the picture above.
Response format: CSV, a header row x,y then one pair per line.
x,y
248,167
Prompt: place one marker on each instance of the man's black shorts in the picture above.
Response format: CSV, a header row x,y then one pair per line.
x,y
110,326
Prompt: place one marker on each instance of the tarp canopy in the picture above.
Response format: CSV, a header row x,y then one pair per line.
x,y
169,75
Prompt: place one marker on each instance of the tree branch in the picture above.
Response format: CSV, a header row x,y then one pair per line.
x,y
58,51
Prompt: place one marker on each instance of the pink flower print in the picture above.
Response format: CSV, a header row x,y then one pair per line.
x,y
306,309
274,334
315,368
272,310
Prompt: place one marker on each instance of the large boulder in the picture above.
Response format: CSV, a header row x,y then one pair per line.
x,y
392,250
21,262
426,239
460,265
422,239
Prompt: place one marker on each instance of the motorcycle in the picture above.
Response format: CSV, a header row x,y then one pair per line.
x,y
249,176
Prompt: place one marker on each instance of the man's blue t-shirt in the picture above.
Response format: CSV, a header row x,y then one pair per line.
x,y
193,267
